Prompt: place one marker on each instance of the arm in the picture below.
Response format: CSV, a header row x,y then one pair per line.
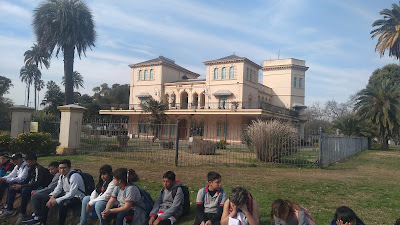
x,y
176,204
39,176
225,214
20,178
217,217
157,204
12,174
59,188
76,182
254,217
126,207
51,186
301,218
105,196
200,205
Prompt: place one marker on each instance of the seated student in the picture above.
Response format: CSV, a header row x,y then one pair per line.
x,y
38,177
6,166
167,209
40,197
67,194
17,176
288,212
346,216
210,201
241,207
100,196
128,198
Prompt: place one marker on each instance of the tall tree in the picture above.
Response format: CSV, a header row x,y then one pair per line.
x,y
157,114
389,71
27,75
379,103
388,31
53,97
5,103
69,26
77,80
37,56
5,84
39,85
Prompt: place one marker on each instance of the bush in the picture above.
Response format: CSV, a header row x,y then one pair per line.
x,y
39,143
167,144
5,142
270,140
221,144
47,122
203,147
122,140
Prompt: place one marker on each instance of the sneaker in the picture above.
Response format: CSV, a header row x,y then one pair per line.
x,y
7,214
27,220
34,222
21,217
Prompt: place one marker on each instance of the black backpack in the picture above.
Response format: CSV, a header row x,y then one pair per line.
x,y
87,180
186,198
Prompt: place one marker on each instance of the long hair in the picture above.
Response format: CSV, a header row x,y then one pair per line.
x,y
239,196
125,175
347,215
108,170
280,207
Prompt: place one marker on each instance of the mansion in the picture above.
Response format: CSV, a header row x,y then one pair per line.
x,y
230,95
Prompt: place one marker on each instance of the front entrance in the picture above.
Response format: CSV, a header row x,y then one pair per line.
x,y
182,129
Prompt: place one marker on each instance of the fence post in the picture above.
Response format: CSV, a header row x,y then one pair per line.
x,y
177,142
320,148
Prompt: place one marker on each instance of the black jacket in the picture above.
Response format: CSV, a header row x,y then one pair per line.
x,y
38,177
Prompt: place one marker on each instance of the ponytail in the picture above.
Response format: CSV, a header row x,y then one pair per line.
x,y
125,175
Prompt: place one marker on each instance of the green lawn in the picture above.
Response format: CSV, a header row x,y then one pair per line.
x,y
368,183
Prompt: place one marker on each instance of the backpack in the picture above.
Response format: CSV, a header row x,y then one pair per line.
x,y
148,201
87,180
220,195
186,198
308,215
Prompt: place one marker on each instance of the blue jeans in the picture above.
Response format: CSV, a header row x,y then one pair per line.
x,y
25,197
98,208
119,217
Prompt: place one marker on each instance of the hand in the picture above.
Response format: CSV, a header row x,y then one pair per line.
x,y
156,222
105,213
340,222
2,179
151,221
32,192
52,202
208,222
244,209
234,210
16,187
89,208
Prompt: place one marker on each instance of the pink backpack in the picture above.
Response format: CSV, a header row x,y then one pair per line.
x,y
308,215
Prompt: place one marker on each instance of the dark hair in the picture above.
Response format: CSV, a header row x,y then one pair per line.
x,y
347,215
54,164
239,196
397,222
66,161
4,154
212,175
169,175
108,170
121,174
280,207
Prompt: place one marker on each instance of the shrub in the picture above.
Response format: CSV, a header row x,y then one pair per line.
x,y
203,147
5,142
47,122
112,148
221,144
167,144
39,143
122,140
270,140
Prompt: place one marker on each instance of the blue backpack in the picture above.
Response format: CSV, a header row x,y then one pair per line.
x,y
148,201
220,195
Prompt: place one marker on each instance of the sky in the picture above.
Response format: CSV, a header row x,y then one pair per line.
x,y
332,36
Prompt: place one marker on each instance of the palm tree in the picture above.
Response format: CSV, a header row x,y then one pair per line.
x,y
27,75
69,26
379,103
157,114
37,56
77,80
39,85
388,31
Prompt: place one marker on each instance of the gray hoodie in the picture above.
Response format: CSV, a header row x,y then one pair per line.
x,y
168,206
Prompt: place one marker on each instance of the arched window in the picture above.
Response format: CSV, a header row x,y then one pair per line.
x,y
140,75
258,102
250,99
145,75
300,82
247,74
219,126
231,72
151,74
295,82
223,76
251,74
216,74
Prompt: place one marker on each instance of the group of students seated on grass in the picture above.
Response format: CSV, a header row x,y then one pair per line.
x,y
115,196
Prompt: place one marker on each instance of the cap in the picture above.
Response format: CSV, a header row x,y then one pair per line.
x,y
31,156
4,154
17,155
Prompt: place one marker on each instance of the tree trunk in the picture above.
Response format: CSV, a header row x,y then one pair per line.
x,y
68,70
35,98
385,145
29,90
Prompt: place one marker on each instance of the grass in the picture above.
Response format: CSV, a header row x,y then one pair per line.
x,y
367,183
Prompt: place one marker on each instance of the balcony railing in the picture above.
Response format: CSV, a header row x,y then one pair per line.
x,y
211,106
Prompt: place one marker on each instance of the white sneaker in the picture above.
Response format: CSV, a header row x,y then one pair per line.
x,y
7,214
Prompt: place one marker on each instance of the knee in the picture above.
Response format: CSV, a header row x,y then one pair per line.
x,y
100,206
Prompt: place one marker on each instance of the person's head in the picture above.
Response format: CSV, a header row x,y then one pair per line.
x,y
17,158
30,159
106,173
346,215
239,196
168,179
214,181
53,167
281,209
397,222
123,176
64,166
4,157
